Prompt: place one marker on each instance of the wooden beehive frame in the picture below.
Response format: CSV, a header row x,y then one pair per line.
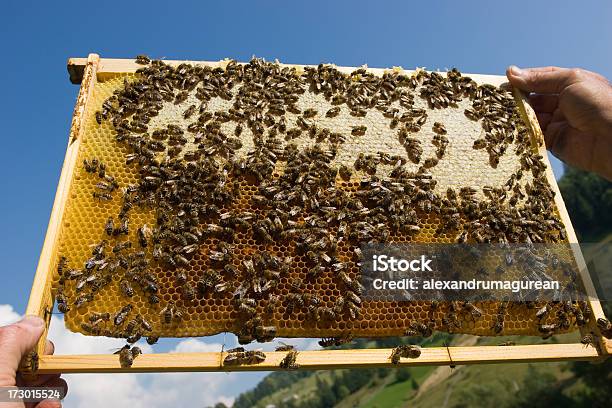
x,y
87,71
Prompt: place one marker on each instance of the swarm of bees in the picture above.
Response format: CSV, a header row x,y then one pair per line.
x,y
189,178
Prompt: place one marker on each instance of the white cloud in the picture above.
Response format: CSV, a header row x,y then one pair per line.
x,y
196,346
8,315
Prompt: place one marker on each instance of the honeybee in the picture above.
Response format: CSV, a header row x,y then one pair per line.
x,y
91,166
474,311
143,59
131,325
284,347
439,128
81,300
406,351
120,246
106,186
92,328
420,329
333,112
144,323
62,302
431,162
589,340
309,113
99,317
122,314
547,330
345,172
335,341
471,114
265,333
189,112
171,312
543,311
181,97
126,288
31,361
109,227
143,233
189,292
605,327
359,130
61,266
127,354
480,144
289,361
102,196
151,340
244,357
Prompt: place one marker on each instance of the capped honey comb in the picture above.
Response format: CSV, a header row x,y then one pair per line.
x,y
463,163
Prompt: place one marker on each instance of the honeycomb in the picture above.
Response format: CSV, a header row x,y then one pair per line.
x,y
211,313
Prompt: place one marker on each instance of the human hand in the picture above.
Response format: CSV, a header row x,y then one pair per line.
x,y
16,340
574,108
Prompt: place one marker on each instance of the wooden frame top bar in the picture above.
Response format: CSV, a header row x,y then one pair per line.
x,y
115,66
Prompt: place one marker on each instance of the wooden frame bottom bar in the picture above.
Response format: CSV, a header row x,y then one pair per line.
x,y
321,359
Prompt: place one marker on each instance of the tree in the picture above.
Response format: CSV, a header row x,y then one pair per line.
x,y
588,198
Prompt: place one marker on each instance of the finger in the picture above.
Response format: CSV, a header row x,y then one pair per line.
x,y
544,119
49,348
596,76
570,145
37,381
58,383
49,404
541,80
558,116
544,102
15,341
584,72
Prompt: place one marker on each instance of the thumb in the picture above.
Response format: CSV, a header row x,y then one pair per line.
x,y
15,341
544,80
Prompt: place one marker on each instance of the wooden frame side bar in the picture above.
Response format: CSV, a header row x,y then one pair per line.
x,y
538,144
41,301
321,359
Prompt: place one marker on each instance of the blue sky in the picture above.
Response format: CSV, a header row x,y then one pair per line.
x,y
38,37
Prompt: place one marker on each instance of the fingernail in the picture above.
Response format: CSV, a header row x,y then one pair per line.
x,y
33,321
516,71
